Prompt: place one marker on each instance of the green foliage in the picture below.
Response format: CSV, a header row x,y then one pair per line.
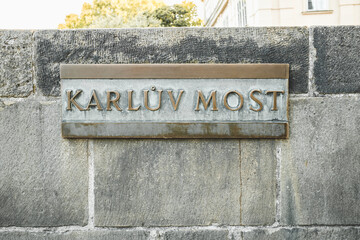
x,y
172,16
126,10
133,13
140,20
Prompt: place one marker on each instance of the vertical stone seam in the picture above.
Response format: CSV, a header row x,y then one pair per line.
x,y
278,184
33,52
312,92
241,188
91,187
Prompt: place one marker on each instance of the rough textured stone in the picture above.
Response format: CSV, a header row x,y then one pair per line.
x,y
77,235
166,182
258,182
196,234
16,50
337,65
171,45
302,233
320,167
43,178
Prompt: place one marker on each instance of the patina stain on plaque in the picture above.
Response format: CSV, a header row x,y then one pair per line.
x,y
175,100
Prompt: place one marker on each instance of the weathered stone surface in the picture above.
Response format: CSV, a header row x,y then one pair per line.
x,y
43,178
196,234
320,167
166,182
302,233
77,235
337,65
171,45
258,182
16,50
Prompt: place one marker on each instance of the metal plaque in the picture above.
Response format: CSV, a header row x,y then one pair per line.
x,y
175,100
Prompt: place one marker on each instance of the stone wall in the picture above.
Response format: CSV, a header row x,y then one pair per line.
x,y
306,187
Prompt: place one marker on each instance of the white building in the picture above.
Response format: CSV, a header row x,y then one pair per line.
x,y
239,13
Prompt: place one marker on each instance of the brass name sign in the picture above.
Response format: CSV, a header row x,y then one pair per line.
x,y
175,100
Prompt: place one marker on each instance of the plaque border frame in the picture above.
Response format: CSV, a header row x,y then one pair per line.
x,y
175,71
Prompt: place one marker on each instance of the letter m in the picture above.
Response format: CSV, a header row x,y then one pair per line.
x,y
206,103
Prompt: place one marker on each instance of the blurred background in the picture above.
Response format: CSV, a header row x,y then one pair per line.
x,y
240,13
69,14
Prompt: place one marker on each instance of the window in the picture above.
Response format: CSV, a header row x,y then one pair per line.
x,y
317,5
242,18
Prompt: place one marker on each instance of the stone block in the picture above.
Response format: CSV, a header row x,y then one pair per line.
x,y
16,52
166,182
43,178
196,234
171,45
77,235
258,182
337,65
320,167
302,233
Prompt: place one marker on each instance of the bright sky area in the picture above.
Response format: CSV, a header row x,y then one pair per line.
x,y
42,14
